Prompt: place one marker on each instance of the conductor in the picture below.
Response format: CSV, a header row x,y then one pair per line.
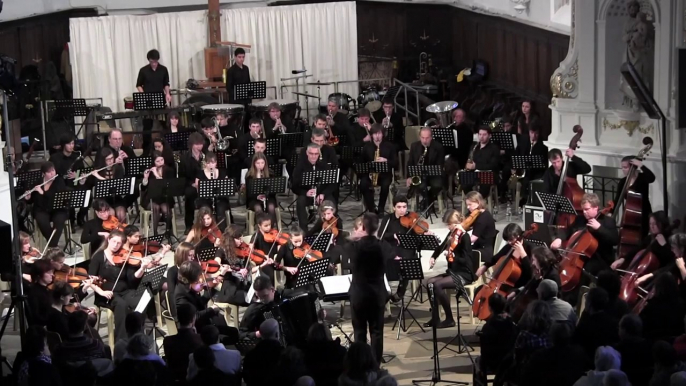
x,y
368,293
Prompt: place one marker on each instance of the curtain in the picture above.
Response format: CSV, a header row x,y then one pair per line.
x,y
107,52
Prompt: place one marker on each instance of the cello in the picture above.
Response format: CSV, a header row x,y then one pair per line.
x,y
580,247
568,186
632,206
507,272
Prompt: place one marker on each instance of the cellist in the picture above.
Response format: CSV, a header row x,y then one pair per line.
x,y
676,267
639,184
655,241
551,177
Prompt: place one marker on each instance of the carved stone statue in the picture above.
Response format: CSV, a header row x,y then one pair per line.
x,y
639,39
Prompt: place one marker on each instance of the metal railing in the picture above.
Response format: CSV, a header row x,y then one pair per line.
x,y
404,87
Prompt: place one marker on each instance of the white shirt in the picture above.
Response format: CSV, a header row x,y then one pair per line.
x,y
227,361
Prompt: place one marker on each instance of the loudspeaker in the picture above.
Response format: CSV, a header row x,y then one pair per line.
x,y
6,264
681,89
640,91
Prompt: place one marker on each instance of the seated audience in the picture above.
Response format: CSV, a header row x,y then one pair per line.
x,y
606,359
560,310
680,345
616,378
179,347
666,363
140,366
258,364
324,356
663,315
361,368
678,379
597,327
637,361
36,369
134,324
228,361
497,337
78,348
291,366
560,365
611,283
207,372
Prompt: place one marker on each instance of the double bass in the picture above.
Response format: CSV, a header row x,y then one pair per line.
x,y
507,272
632,207
568,186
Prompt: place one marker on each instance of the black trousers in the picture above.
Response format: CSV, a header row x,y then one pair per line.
x,y
189,206
429,188
44,220
368,312
301,205
368,191
121,304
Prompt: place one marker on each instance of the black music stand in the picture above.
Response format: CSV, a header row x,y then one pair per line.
x,y
178,141
216,188
371,167
164,190
28,180
537,242
556,204
156,238
276,169
152,282
252,90
310,273
446,137
504,140
207,254
342,140
525,162
273,147
291,140
221,159
476,177
149,101
410,269
322,243
320,177
82,172
266,186
67,200
424,171
460,292
68,109
136,166
116,187
390,134
350,154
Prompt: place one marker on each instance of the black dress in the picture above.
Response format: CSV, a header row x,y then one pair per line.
x,y
167,173
484,229
233,289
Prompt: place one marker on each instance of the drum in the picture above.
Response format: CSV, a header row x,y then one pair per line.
x,y
128,103
290,109
343,101
233,112
367,96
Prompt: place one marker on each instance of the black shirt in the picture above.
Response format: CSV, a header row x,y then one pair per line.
x,y
357,133
435,154
65,163
462,262
100,266
465,143
396,125
487,157
341,126
43,202
153,80
484,229
386,150
189,168
90,234
576,166
237,75
607,235
539,149
368,258
304,167
525,263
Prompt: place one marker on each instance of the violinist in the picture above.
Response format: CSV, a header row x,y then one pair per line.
x,y
387,154
191,283
307,195
211,172
47,218
114,169
204,233
38,295
426,152
190,166
639,184
327,214
551,177
93,231
133,243
29,255
118,281
458,251
232,254
160,205
259,168
656,241
483,229
264,240
62,295
286,257
521,252
183,252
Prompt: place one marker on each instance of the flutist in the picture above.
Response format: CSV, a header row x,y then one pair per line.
x,y
41,196
378,150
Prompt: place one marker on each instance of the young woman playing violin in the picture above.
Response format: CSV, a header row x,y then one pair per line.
x,y
187,291
56,258
458,253
38,294
327,216
160,205
183,252
295,254
259,168
220,204
47,218
62,295
133,243
232,255
114,170
94,231
119,276
29,255
483,229
265,241
205,233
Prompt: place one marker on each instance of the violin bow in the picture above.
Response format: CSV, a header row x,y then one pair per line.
x,y
120,271
48,243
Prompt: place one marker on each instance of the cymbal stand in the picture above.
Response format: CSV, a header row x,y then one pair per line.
x,y
303,75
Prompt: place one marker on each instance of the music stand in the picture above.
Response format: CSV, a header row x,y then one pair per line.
x,y
178,141
149,101
424,171
273,147
446,137
390,134
244,346
207,254
71,108
460,292
151,283
157,238
216,188
116,187
476,177
252,90
136,166
504,140
321,177
322,244
291,140
310,273
266,186
67,200
221,159
350,153
410,269
164,190
29,179
524,162
276,169
371,167
556,204
537,242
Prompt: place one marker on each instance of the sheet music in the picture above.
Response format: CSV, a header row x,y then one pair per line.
x,y
87,201
132,188
143,303
341,284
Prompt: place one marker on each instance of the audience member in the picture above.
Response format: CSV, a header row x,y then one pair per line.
x,y
36,369
140,366
497,337
610,281
361,368
207,372
228,361
678,379
134,324
324,356
663,315
78,348
560,365
291,366
560,311
666,363
616,378
258,364
636,352
680,345
596,327
606,359
178,348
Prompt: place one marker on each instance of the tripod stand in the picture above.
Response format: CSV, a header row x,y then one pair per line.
x,y
463,346
436,375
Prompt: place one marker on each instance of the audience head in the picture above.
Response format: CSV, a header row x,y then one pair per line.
x,y
134,323
185,313
597,300
359,361
536,319
561,334
319,332
269,330
209,335
76,323
630,325
678,379
34,342
616,378
678,243
666,286
547,289
204,357
610,282
305,381
139,345
496,303
664,354
607,358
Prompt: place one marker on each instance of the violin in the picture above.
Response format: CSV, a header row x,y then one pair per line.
x,y
147,247
127,256
74,276
457,234
412,221
274,236
212,233
32,255
113,223
305,251
210,266
331,226
243,251
258,256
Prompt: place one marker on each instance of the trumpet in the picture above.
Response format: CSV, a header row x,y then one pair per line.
x,y
279,127
416,180
222,143
387,121
375,176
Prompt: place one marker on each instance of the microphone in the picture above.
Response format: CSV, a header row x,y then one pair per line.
x,y
298,71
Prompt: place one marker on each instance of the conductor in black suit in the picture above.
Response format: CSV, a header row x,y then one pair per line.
x,y
368,293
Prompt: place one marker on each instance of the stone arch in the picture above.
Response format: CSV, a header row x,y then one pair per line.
x,y
617,8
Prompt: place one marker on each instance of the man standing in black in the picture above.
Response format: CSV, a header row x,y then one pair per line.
x,y
153,78
368,290
238,73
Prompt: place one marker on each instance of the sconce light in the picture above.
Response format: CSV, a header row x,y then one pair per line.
x,y
521,5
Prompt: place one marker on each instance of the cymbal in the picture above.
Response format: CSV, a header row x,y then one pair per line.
x,y
304,94
319,84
